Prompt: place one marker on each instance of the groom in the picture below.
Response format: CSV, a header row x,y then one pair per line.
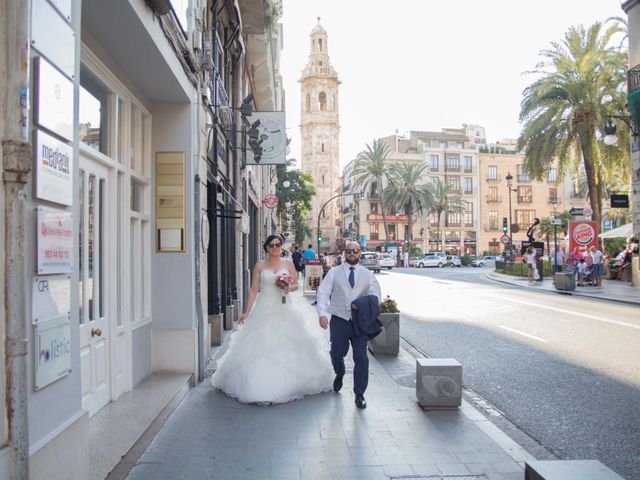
x,y
342,285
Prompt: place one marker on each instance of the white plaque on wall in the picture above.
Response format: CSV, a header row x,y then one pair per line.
x,y
54,164
54,101
51,297
55,240
52,350
52,35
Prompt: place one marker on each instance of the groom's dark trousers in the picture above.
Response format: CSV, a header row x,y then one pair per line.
x,y
341,333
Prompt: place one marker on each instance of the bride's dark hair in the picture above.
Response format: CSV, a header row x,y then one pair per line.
x,y
269,239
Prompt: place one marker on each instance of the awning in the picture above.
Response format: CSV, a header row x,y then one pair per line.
x,y
621,232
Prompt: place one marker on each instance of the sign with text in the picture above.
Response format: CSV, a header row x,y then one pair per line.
x,y
375,217
312,275
55,240
170,202
51,297
54,164
582,235
52,350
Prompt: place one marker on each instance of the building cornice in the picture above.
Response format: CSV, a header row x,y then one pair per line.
x,y
628,5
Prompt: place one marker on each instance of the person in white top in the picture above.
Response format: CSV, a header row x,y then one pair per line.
x,y
598,266
530,257
341,286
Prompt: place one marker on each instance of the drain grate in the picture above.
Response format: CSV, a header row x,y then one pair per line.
x,y
440,477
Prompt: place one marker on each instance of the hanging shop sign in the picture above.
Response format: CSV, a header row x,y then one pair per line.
x,y
52,350
55,240
266,138
54,164
54,100
51,297
270,200
582,235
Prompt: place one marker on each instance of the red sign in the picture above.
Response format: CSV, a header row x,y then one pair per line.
x,y
270,200
583,235
375,217
505,239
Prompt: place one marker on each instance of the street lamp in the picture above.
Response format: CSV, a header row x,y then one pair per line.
x,y
509,179
554,203
610,137
319,236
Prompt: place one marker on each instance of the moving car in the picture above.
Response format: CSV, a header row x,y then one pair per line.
x,y
371,261
482,261
387,260
431,260
453,261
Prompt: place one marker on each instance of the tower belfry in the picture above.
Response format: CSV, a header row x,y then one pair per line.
x,y
320,131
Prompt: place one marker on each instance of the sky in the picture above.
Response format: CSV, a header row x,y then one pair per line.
x,y
426,64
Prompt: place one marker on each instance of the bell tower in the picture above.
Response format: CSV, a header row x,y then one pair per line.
x,y
320,131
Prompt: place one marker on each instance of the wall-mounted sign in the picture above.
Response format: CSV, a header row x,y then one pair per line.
x,y
619,200
270,200
51,297
205,231
266,138
55,240
52,35
170,200
52,350
54,164
582,235
376,217
54,100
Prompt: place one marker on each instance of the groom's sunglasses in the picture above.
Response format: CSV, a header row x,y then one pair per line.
x,y
274,245
349,251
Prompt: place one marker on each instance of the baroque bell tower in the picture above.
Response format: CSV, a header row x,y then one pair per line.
x,y
320,130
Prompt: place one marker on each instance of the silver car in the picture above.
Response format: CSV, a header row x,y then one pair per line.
x,y
431,260
371,261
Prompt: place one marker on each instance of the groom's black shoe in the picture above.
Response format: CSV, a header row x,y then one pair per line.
x,y
337,383
360,401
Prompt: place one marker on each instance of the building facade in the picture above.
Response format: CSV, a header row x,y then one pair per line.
x,y
320,136
133,215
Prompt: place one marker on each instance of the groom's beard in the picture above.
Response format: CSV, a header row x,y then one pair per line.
x,y
352,261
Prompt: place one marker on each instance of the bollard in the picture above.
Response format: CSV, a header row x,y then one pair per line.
x,y
438,383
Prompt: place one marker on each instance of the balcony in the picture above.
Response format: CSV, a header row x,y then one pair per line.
x,y
491,228
373,196
346,210
493,199
338,222
524,178
374,236
346,188
356,218
525,200
493,178
452,168
553,200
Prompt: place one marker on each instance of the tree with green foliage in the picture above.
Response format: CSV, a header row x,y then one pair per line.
x,y
407,192
371,168
581,83
298,197
445,202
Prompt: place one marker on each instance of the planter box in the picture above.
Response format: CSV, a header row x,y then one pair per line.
x,y
388,342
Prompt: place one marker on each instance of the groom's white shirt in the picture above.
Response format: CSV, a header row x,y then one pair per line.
x,y
334,296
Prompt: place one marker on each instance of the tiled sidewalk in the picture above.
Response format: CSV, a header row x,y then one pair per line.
x,y
327,437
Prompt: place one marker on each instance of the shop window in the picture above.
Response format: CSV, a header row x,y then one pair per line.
x,y
93,113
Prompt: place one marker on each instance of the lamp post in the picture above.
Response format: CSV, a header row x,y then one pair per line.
x,y
509,179
325,204
554,202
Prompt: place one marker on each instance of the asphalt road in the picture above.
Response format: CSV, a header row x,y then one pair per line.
x,y
564,369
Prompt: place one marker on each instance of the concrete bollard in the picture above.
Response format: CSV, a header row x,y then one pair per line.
x,y
568,470
229,315
564,281
236,305
438,383
388,341
216,322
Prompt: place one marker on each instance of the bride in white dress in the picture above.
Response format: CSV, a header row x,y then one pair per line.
x,y
278,353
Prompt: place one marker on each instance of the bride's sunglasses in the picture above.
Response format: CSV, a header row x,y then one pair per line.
x,y
274,245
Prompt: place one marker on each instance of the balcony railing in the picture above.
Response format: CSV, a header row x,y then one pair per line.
x,y
493,178
525,200
524,178
356,218
492,199
452,168
552,200
373,196
374,236
491,228
633,78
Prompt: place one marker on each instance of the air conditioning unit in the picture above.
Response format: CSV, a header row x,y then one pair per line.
x,y
438,383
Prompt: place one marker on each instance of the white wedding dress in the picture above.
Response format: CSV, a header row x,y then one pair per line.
x,y
279,354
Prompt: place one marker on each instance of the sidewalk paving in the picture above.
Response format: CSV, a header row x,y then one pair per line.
x,y
326,437
611,290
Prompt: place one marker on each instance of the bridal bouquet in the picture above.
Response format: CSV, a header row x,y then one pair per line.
x,y
283,281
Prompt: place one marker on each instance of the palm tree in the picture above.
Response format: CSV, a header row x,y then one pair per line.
x,y
545,229
371,168
445,202
406,191
562,110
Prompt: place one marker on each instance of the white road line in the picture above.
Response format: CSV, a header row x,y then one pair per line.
x,y
569,312
523,334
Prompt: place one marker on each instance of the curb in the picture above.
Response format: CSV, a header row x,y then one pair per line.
x,y
501,279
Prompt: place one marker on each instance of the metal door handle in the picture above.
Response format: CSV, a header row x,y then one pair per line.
x,y
96,332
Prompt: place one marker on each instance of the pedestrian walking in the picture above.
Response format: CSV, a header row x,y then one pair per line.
x,y
597,258
530,258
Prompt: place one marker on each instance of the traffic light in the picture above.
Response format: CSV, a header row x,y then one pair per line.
x,y
361,195
319,238
505,225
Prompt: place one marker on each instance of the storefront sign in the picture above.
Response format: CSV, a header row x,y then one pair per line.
x,y
54,102
54,164
52,350
582,235
170,201
270,200
55,240
374,217
51,297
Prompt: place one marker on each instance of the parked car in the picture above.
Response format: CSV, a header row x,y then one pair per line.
x,y
413,260
431,260
371,261
387,260
453,261
482,261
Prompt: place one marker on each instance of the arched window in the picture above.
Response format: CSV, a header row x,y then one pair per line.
x,y
322,149
322,98
320,44
308,102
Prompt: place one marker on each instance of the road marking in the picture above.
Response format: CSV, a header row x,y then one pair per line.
x,y
523,334
562,310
